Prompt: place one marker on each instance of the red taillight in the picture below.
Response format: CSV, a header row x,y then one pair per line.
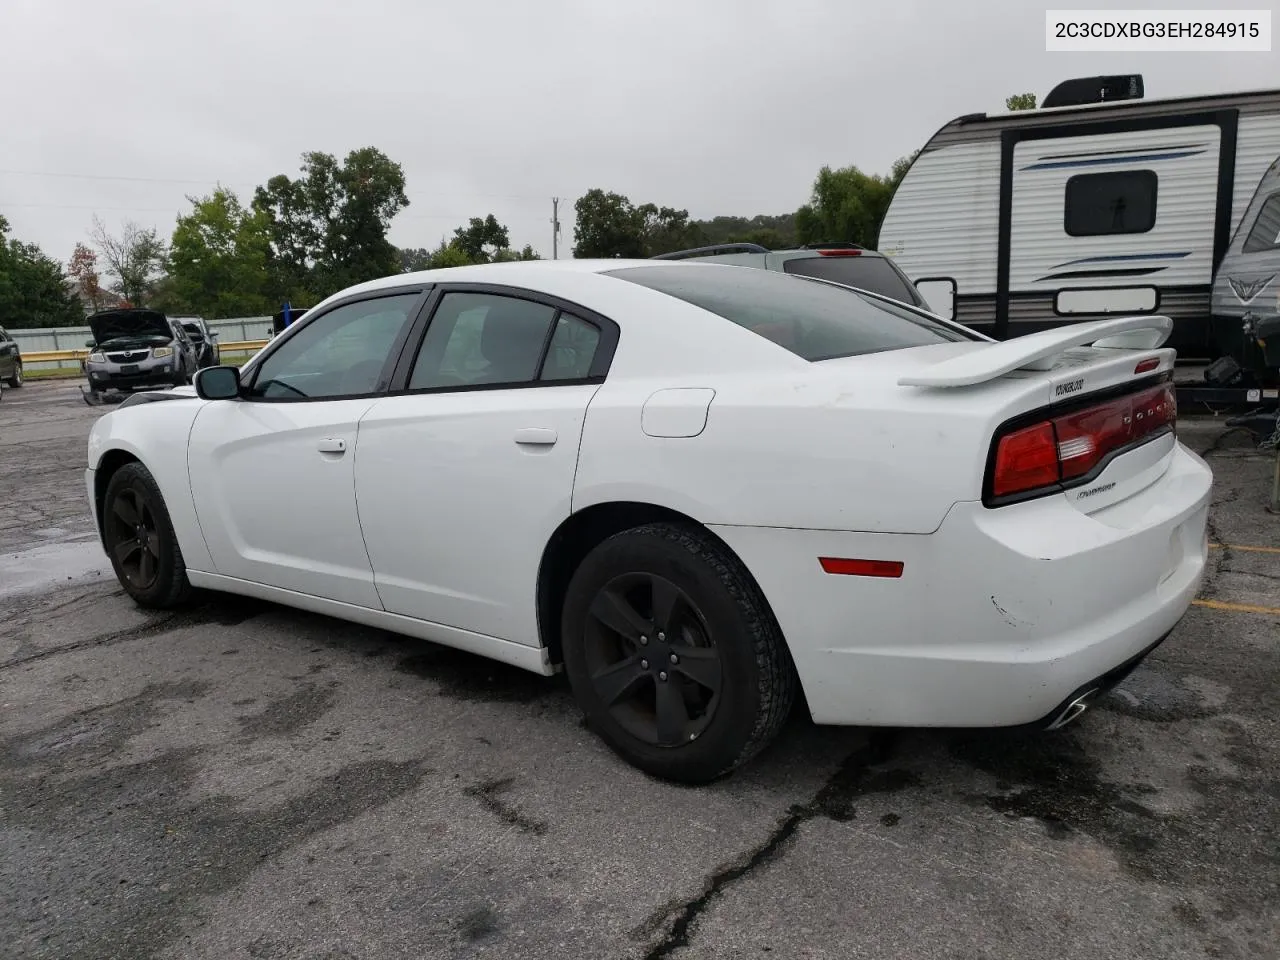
x,y
1068,447
1147,365
840,253
1025,459
862,568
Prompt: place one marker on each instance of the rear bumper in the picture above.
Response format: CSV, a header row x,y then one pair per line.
x,y
1000,616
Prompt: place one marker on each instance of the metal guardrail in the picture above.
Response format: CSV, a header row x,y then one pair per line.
x,y
53,356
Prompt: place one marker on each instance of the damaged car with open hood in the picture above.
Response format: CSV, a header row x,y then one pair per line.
x,y
137,347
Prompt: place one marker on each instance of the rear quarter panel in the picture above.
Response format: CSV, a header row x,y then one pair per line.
x,y
801,452
156,434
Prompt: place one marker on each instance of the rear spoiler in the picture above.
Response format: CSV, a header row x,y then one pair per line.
x,y
1038,351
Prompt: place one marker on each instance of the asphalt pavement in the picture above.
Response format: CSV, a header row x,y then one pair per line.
x,y
240,780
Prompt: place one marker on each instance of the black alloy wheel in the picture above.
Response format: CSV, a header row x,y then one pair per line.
x,y
140,541
651,659
673,654
135,538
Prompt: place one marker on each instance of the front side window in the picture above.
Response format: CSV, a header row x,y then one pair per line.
x,y
815,321
342,353
1265,234
1103,204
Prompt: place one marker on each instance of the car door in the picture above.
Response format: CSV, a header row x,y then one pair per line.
x,y
272,473
8,353
462,477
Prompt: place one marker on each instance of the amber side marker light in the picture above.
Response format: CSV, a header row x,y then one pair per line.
x,y
862,568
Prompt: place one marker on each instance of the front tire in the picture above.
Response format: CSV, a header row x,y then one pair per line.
x,y
16,380
673,653
138,536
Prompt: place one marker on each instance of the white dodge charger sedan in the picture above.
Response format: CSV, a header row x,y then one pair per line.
x,y
700,490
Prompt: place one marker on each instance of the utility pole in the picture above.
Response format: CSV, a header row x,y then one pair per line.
x,y
554,228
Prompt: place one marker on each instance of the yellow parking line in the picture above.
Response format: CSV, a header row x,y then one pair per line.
x,y
1243,549
1237,607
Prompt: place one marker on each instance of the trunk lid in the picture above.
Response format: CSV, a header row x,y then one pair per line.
x,y
1104,389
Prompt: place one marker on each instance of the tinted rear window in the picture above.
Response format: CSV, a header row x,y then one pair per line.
x,y
867,273
815,321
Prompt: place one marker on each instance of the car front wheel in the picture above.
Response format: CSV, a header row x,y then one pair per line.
x,y
139,539
673,653
16,380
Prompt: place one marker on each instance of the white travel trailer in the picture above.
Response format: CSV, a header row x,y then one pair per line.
x,y
1020,221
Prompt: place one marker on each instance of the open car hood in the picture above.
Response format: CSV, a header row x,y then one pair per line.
x,y
116,324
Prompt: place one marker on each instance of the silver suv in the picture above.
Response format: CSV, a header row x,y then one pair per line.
x,y
845,263
136,347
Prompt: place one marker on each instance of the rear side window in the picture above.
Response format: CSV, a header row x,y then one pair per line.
x,y
867,273
1265,234
815,321
1103,204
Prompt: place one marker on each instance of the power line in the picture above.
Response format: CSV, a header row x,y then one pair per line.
x,y
457,218
232,183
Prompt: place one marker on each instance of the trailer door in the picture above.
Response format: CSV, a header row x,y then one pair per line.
x,y
1112,223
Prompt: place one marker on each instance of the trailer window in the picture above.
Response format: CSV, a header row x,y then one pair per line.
x,y
1265,234
1101,204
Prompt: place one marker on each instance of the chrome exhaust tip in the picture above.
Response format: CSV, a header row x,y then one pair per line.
x,y
1073,710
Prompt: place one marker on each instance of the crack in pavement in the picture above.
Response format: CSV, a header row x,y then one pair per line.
x,y
488,794
220,612
833,800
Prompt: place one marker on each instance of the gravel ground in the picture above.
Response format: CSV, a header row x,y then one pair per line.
x,y
244,781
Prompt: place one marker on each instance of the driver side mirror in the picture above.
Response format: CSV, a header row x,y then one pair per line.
x,y
217,383
90,343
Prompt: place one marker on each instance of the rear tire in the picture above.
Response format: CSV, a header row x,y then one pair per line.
x,y
690,676
16,380
138,536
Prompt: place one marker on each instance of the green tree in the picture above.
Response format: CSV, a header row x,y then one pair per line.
x,y
1020,101
218,259
328,228
527,253
449,254
481,239
847,205
665,229
774,232
135,258
413,259
33,290
610,225
607,225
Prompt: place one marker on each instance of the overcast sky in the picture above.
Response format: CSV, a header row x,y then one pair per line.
x,y
124,107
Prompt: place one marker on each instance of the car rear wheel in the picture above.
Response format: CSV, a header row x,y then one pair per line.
x,y
673,653
139,539
15,381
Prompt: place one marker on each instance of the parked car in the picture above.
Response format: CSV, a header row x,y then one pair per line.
x,y
203,339
697,489
10,360
137,347
845,263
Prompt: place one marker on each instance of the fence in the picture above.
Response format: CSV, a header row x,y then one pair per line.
x,y
57,339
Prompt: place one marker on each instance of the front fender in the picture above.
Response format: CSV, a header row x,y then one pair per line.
x,y
156,435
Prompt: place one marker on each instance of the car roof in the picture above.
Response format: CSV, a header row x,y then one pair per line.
x,y
540,273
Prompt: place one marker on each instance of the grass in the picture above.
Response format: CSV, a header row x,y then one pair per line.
x,y
73,373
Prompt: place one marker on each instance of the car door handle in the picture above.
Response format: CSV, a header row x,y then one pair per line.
x,y
332,445
539,436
